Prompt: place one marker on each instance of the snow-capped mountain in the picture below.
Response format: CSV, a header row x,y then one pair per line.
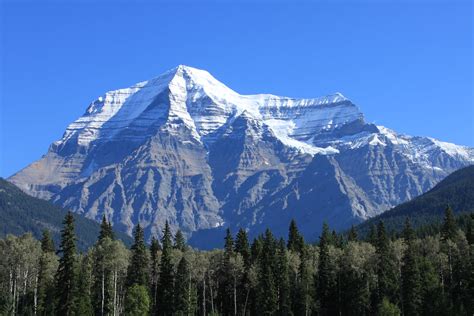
x,y
185,148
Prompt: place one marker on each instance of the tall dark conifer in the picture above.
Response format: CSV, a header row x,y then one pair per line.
x,y
46,276
106,230
166,281
267,296
352,236
66,274
295,239
326,279
411,283
138,269
386,269
242,247
182,289
282,280
47,244
154,273
179,241
449,228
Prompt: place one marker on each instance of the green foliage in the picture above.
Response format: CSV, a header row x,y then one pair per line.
x,y
138,270
456,190
179,241
295,239
21,213
137,302
386,308
408,275
66,275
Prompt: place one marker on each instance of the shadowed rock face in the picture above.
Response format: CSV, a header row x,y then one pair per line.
x,y
186,149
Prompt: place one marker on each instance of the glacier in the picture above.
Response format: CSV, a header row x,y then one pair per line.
x,y
186,149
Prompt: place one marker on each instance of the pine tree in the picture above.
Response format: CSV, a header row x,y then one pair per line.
x,y
372,236
179,241
46,269
242,247
449,228
182,289
470,230
66,274
295,239
166,280
154,275
138,268
106,230
282,280
352,234
83,304
411,283
267,300
386,270
47,244
326,279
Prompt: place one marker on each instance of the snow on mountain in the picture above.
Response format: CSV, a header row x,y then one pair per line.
x,y
185,148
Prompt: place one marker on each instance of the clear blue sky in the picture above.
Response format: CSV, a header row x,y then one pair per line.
x,y
407,64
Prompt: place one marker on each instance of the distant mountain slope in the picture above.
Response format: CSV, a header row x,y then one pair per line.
x,y
456,190
21,213
184,148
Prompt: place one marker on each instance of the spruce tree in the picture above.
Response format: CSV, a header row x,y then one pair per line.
x,y
282,280
46,270
295,239
66,274
106,230
83,304
138,268
179,241
326,280
242,247
449,228
267,300
372,236
411,283
352,236
47,244
182,289
166,280
154,273
386,270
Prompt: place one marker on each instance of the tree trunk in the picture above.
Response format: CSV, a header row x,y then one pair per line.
x,y
204,296
102,296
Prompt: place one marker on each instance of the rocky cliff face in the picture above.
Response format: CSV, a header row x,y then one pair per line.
x,y
186,149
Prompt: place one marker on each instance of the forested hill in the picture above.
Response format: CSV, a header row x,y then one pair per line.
x,y
21,213
456,190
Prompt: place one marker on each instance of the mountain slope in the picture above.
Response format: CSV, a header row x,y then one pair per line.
x,y
186,149
21,213
456,190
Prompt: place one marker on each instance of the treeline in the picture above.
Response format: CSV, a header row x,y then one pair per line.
x,y
340,275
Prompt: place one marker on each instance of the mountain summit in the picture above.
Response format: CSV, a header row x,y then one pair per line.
x,y
186,149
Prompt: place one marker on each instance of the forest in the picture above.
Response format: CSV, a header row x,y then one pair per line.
x,y
342,274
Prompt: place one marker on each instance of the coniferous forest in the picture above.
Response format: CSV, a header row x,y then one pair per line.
x,y
342,274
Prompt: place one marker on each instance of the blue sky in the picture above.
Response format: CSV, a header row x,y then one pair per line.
x,y
407,64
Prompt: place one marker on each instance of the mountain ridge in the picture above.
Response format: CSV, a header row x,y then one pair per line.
x,y
199,155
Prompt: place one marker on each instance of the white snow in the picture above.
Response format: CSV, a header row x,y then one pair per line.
x,y
195,99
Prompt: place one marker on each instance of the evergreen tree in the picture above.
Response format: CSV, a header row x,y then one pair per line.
x,y
137,302
411,283
179,241
66,273
83,304
295,239
226,284
166,280
154,275
282,280
352,236
267,301
242,247
372,236
326,278
470,230
449,228
138,268
47,267
182,289
386,270
106,230
47,244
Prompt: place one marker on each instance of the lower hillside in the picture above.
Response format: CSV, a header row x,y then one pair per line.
x,y
456,190
21,213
